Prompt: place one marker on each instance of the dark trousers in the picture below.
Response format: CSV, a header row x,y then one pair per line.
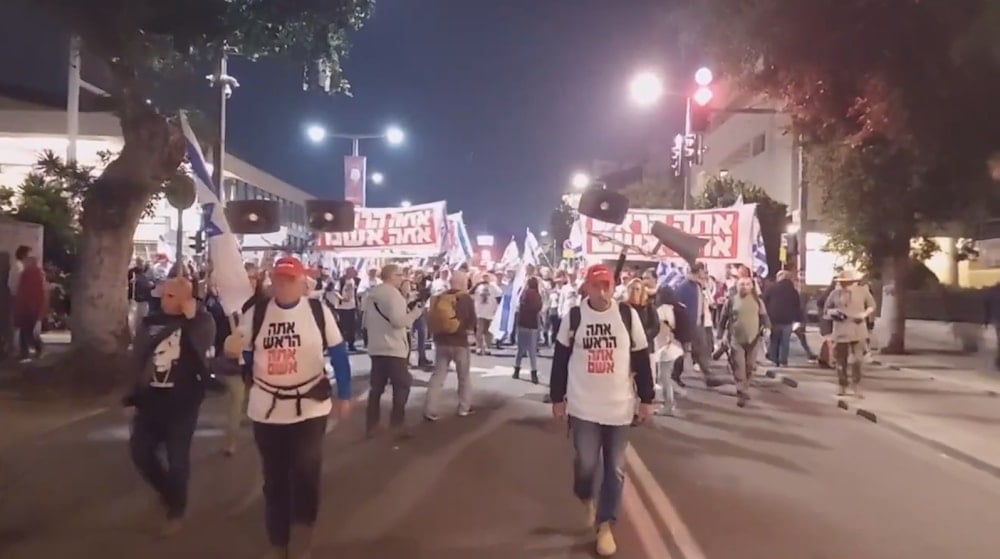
x,y
388,370
27,340
554,322
171,428
347,320
291,457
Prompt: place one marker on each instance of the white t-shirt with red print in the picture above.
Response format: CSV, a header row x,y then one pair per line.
x,y
288,352
599,386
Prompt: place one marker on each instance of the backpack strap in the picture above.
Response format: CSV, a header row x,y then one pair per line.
x,y
259,312
316,306
626,311
574,324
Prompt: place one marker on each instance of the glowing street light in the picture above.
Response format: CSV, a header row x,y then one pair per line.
x,y
405,204
702,96
395,135
315,133
377,178
580,180
646,88
703,77
544,233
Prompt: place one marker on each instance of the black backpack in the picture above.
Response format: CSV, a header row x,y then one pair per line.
x,y
574,322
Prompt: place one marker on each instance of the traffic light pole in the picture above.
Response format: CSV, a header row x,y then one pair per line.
x,y
685,159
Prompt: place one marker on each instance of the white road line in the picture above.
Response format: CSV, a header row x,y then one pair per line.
x,y
636,511
662,507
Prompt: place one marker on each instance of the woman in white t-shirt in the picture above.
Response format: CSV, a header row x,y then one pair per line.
x,y
286,342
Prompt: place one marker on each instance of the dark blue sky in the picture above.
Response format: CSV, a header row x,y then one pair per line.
x,y
501,101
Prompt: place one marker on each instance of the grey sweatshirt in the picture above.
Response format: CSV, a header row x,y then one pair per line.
x,y
387,321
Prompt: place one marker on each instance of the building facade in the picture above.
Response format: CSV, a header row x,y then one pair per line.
x,y
32,122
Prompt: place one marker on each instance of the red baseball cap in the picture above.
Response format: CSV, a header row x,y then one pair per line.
x,y
289,266
599,273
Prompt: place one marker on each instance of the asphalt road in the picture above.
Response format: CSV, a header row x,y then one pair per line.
x,y
788,477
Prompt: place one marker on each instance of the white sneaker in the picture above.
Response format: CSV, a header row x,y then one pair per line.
x,y
606,546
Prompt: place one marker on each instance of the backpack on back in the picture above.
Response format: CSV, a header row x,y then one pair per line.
x,y
443,315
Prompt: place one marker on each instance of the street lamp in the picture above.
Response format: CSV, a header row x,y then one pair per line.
x,y
646,88
355,165
580,180
544,233
405,204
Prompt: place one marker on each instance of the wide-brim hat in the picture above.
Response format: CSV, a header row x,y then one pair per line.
x,y
848,276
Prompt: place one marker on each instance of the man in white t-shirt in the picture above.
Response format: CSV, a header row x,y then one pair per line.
x,y
600,363
286,342
486,297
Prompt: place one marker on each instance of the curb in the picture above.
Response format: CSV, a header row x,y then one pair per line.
x,y
892,367
787,380
944,449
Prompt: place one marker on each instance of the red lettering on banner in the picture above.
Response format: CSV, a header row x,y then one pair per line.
x,y
720,227
387,229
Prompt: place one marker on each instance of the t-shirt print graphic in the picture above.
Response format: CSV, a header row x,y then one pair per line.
x,y
600,343
281,344
165,357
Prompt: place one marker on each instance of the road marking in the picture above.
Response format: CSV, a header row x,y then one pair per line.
x,y
649,535
661,505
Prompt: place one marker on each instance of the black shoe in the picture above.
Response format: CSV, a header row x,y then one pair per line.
x,y
676,377
713,382
534,377
517,373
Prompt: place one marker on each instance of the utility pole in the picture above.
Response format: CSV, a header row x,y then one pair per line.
x,y
73,99
225,84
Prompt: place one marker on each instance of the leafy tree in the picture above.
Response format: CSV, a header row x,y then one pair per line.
x,y
139,40
50,196
657,191
885,103
721,192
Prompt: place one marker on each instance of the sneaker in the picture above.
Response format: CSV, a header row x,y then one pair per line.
x,y
464,413
606,546
856,389
841,390
589,513
431,417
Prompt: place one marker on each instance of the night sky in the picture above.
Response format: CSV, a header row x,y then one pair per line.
x,y
501,100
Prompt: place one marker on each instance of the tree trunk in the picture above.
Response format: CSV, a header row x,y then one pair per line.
x,y
112,208
893,317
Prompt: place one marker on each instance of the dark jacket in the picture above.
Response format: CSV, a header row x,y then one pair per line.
x,y
529,309
689,293
784,305
650,322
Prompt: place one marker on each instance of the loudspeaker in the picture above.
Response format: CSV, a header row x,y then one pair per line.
x,y
330,216
603,205
253,217
686,246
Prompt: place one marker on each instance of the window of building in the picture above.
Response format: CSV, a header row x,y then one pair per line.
x,y
758,145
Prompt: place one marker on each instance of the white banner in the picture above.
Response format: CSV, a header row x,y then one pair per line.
x,y
729,232
413,232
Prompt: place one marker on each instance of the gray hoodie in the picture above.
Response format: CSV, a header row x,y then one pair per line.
x,y
387,321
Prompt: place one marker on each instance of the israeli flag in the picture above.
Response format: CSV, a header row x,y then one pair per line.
x,y
531,248
511,257
223,247
669,273
759,253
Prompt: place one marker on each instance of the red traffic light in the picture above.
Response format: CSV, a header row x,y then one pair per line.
x,y
702,96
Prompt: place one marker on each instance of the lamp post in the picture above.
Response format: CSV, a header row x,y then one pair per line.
x,y
646,89
355,165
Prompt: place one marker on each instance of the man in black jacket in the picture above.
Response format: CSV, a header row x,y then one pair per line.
x,y
171,354
784,309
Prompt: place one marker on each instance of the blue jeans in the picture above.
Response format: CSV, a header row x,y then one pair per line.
x,y
780,343
420,327
592,442
527,344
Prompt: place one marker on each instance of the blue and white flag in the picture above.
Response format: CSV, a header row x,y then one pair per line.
x,y
511,257
459,247
531,248
670,273
759,253
223,247
503,321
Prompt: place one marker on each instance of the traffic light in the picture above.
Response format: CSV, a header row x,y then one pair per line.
x,y
198,242
700,112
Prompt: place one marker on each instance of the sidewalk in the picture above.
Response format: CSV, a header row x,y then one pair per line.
x,y
934,395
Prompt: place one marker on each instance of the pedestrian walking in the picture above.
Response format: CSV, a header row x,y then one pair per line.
x,y
744,320
528,315
601,362
451,318
387,319
849,306
286,341
170,352
784,309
